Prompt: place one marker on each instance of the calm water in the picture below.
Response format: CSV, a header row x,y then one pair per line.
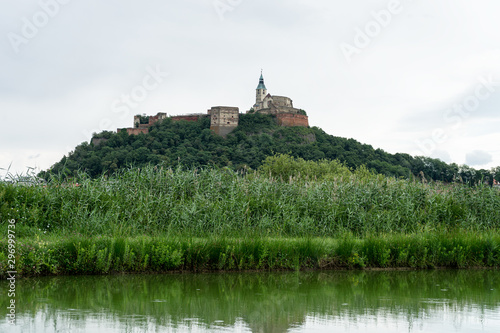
x,y
428,301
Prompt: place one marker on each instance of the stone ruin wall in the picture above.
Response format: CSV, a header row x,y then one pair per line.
x,y
135,131
186,118
224,119
290,119
282,101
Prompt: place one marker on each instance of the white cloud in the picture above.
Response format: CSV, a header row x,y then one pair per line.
x,y
478,158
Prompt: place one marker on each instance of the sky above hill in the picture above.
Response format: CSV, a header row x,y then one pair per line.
x,y
413,76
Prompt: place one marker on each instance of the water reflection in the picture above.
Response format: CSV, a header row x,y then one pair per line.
x,y
260,302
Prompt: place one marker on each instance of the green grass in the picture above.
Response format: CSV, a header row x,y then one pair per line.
x,y
103,255
290,214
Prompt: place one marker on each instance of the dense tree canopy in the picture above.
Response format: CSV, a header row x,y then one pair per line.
x,y
173,143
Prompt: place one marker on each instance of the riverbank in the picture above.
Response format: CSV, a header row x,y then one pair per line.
x,y
106,255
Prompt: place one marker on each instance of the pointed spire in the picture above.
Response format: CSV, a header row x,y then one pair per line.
x,y
261,82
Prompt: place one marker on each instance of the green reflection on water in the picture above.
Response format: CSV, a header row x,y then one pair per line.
x,y
264,302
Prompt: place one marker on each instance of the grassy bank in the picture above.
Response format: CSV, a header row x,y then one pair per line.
x,y
289,214
103,255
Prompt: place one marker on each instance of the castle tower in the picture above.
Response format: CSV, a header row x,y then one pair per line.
x,y
260,93
223,119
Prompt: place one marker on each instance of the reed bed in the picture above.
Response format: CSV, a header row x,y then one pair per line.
x,y
221,219
205,202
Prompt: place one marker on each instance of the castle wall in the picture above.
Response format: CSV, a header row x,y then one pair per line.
x,y
224,119
151,120
134,131
290,119
273,109
282,101
186,118
143,128
98,141
137,121
159,116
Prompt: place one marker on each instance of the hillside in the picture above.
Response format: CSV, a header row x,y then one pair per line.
x,y
192,144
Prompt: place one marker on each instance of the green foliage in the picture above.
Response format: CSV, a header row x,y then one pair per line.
x,y
166,258
289,214
288,168
255,123
161,254
192,144
143,119
286,197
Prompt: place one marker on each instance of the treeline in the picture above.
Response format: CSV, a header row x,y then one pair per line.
x,y
193,144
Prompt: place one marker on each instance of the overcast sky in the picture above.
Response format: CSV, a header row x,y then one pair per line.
x,y
420,77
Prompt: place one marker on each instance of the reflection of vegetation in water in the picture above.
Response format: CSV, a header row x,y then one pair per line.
x,y
268,302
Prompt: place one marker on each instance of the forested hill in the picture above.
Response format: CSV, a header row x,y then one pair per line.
x,y
193,144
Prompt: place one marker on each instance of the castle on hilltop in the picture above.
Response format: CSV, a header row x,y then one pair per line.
x,y
265,103
224,119
279,106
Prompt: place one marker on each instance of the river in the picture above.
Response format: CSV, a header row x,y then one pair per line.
x,y
341,301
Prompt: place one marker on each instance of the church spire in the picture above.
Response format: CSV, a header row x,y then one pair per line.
x,y
261,82
260,93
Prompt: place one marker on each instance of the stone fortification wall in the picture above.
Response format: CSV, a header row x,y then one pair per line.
x,y
290,119
159,116
143,128
186,118
135,131
282,101
151,120
98,141
272,109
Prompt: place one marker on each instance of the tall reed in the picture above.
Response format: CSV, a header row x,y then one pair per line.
x,y
203,202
